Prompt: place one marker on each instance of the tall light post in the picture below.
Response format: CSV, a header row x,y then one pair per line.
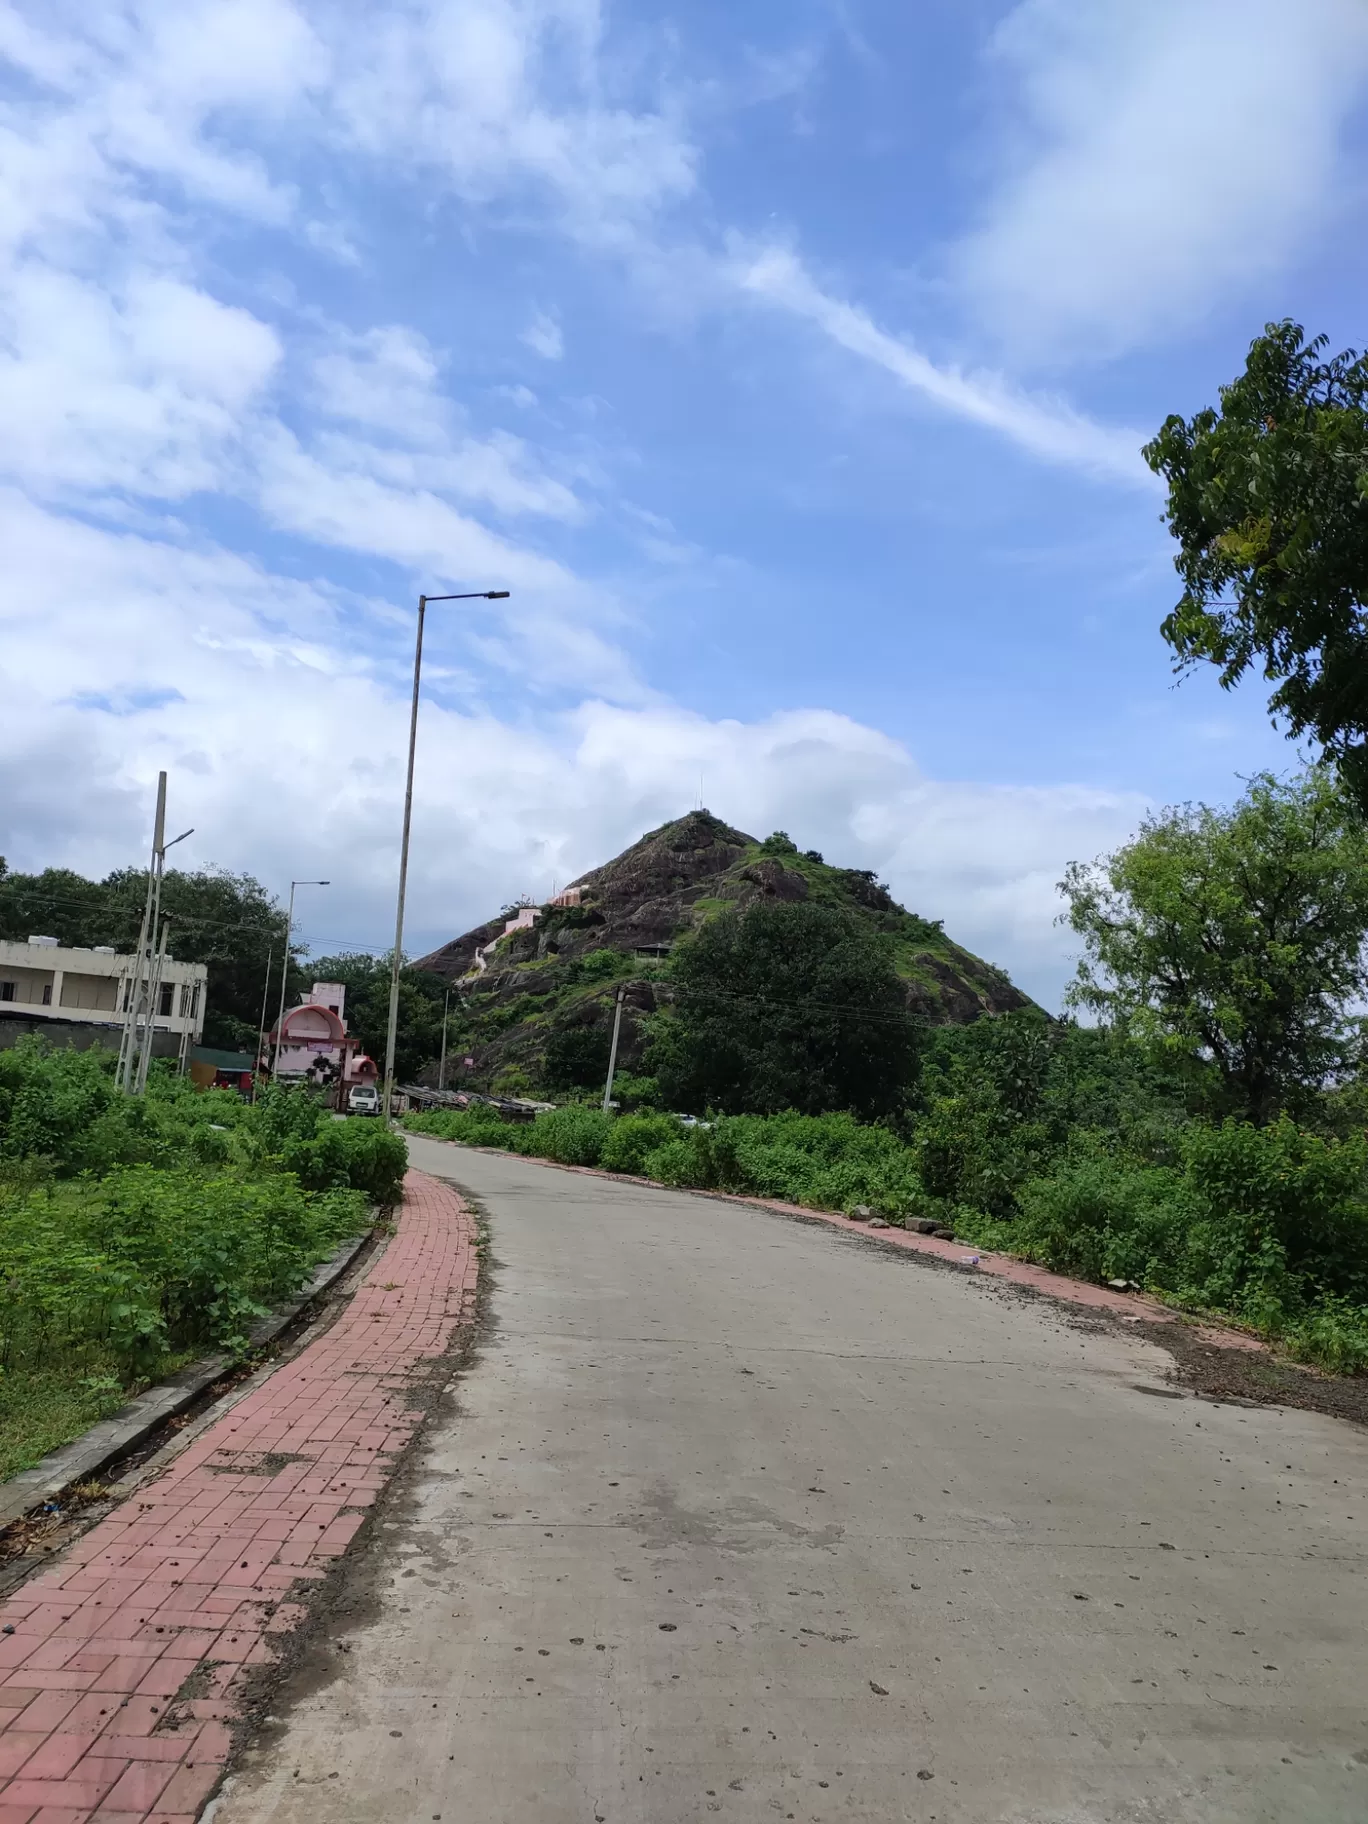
x,y
285,967
469,595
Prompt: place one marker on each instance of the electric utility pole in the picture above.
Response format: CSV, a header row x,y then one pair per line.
x,y
612,1055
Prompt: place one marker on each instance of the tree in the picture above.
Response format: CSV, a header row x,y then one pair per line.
x,y
1268,499
785,1005
1237,937
227,921
576,1057
422,995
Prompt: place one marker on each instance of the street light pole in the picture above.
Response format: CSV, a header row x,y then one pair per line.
x,y
397,961
285,968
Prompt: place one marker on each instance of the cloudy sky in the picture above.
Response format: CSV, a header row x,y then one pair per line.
x,y
788,361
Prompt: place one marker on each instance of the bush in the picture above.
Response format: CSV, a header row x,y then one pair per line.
x,y
135,1229
576,1057
1107,1219
632,1138
1279,1190
602,965
377,1160
1334,1336
147,1262
477,1126
676,1163
571,1136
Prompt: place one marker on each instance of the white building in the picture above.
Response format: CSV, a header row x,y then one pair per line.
x,y
43,982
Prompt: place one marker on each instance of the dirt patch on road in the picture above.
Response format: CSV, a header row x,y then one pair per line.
x,y
347,1599
1253,1377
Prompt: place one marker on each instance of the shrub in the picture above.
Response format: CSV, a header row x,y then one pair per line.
x,y
1281,1188
1334,1336
1107,1219
147,1261
576,1056
631,1138
476,1126
602,965
571,1136
376,1159
676,1163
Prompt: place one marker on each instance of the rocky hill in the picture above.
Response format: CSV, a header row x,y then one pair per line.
x,y
537,999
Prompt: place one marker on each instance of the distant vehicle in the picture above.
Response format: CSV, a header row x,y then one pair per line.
x,y
363,1099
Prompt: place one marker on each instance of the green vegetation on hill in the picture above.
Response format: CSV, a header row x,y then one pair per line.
x,y
537,1016
136,1232
785,1005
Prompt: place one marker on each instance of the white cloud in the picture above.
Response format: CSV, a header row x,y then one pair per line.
x,y
506,93
543,336
284,734
1048,428
139,385
341,496
1158,156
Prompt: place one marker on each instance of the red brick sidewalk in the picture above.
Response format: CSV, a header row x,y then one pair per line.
x,y
127,1662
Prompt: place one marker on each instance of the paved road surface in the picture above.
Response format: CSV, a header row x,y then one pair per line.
x,y
738,1517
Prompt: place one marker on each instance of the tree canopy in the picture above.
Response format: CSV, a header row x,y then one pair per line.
x,y
1236,936
785,1005
1268,499
227,921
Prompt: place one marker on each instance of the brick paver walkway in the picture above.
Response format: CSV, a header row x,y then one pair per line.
x,y
123,1668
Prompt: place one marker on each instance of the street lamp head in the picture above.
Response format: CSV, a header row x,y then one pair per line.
x,y
467,595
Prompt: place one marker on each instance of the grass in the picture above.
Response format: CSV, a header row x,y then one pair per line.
x,y
43,1407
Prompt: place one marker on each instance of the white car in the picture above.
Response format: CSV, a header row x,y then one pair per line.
x,y
363,1099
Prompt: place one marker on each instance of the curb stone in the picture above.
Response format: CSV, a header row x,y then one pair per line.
x,y
114,1437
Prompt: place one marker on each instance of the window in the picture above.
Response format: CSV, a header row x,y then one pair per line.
x,y
7,990
166,999
47,994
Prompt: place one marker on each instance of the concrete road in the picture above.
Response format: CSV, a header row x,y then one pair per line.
x,y
737,1516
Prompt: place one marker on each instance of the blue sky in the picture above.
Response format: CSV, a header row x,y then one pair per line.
x,y
788,363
